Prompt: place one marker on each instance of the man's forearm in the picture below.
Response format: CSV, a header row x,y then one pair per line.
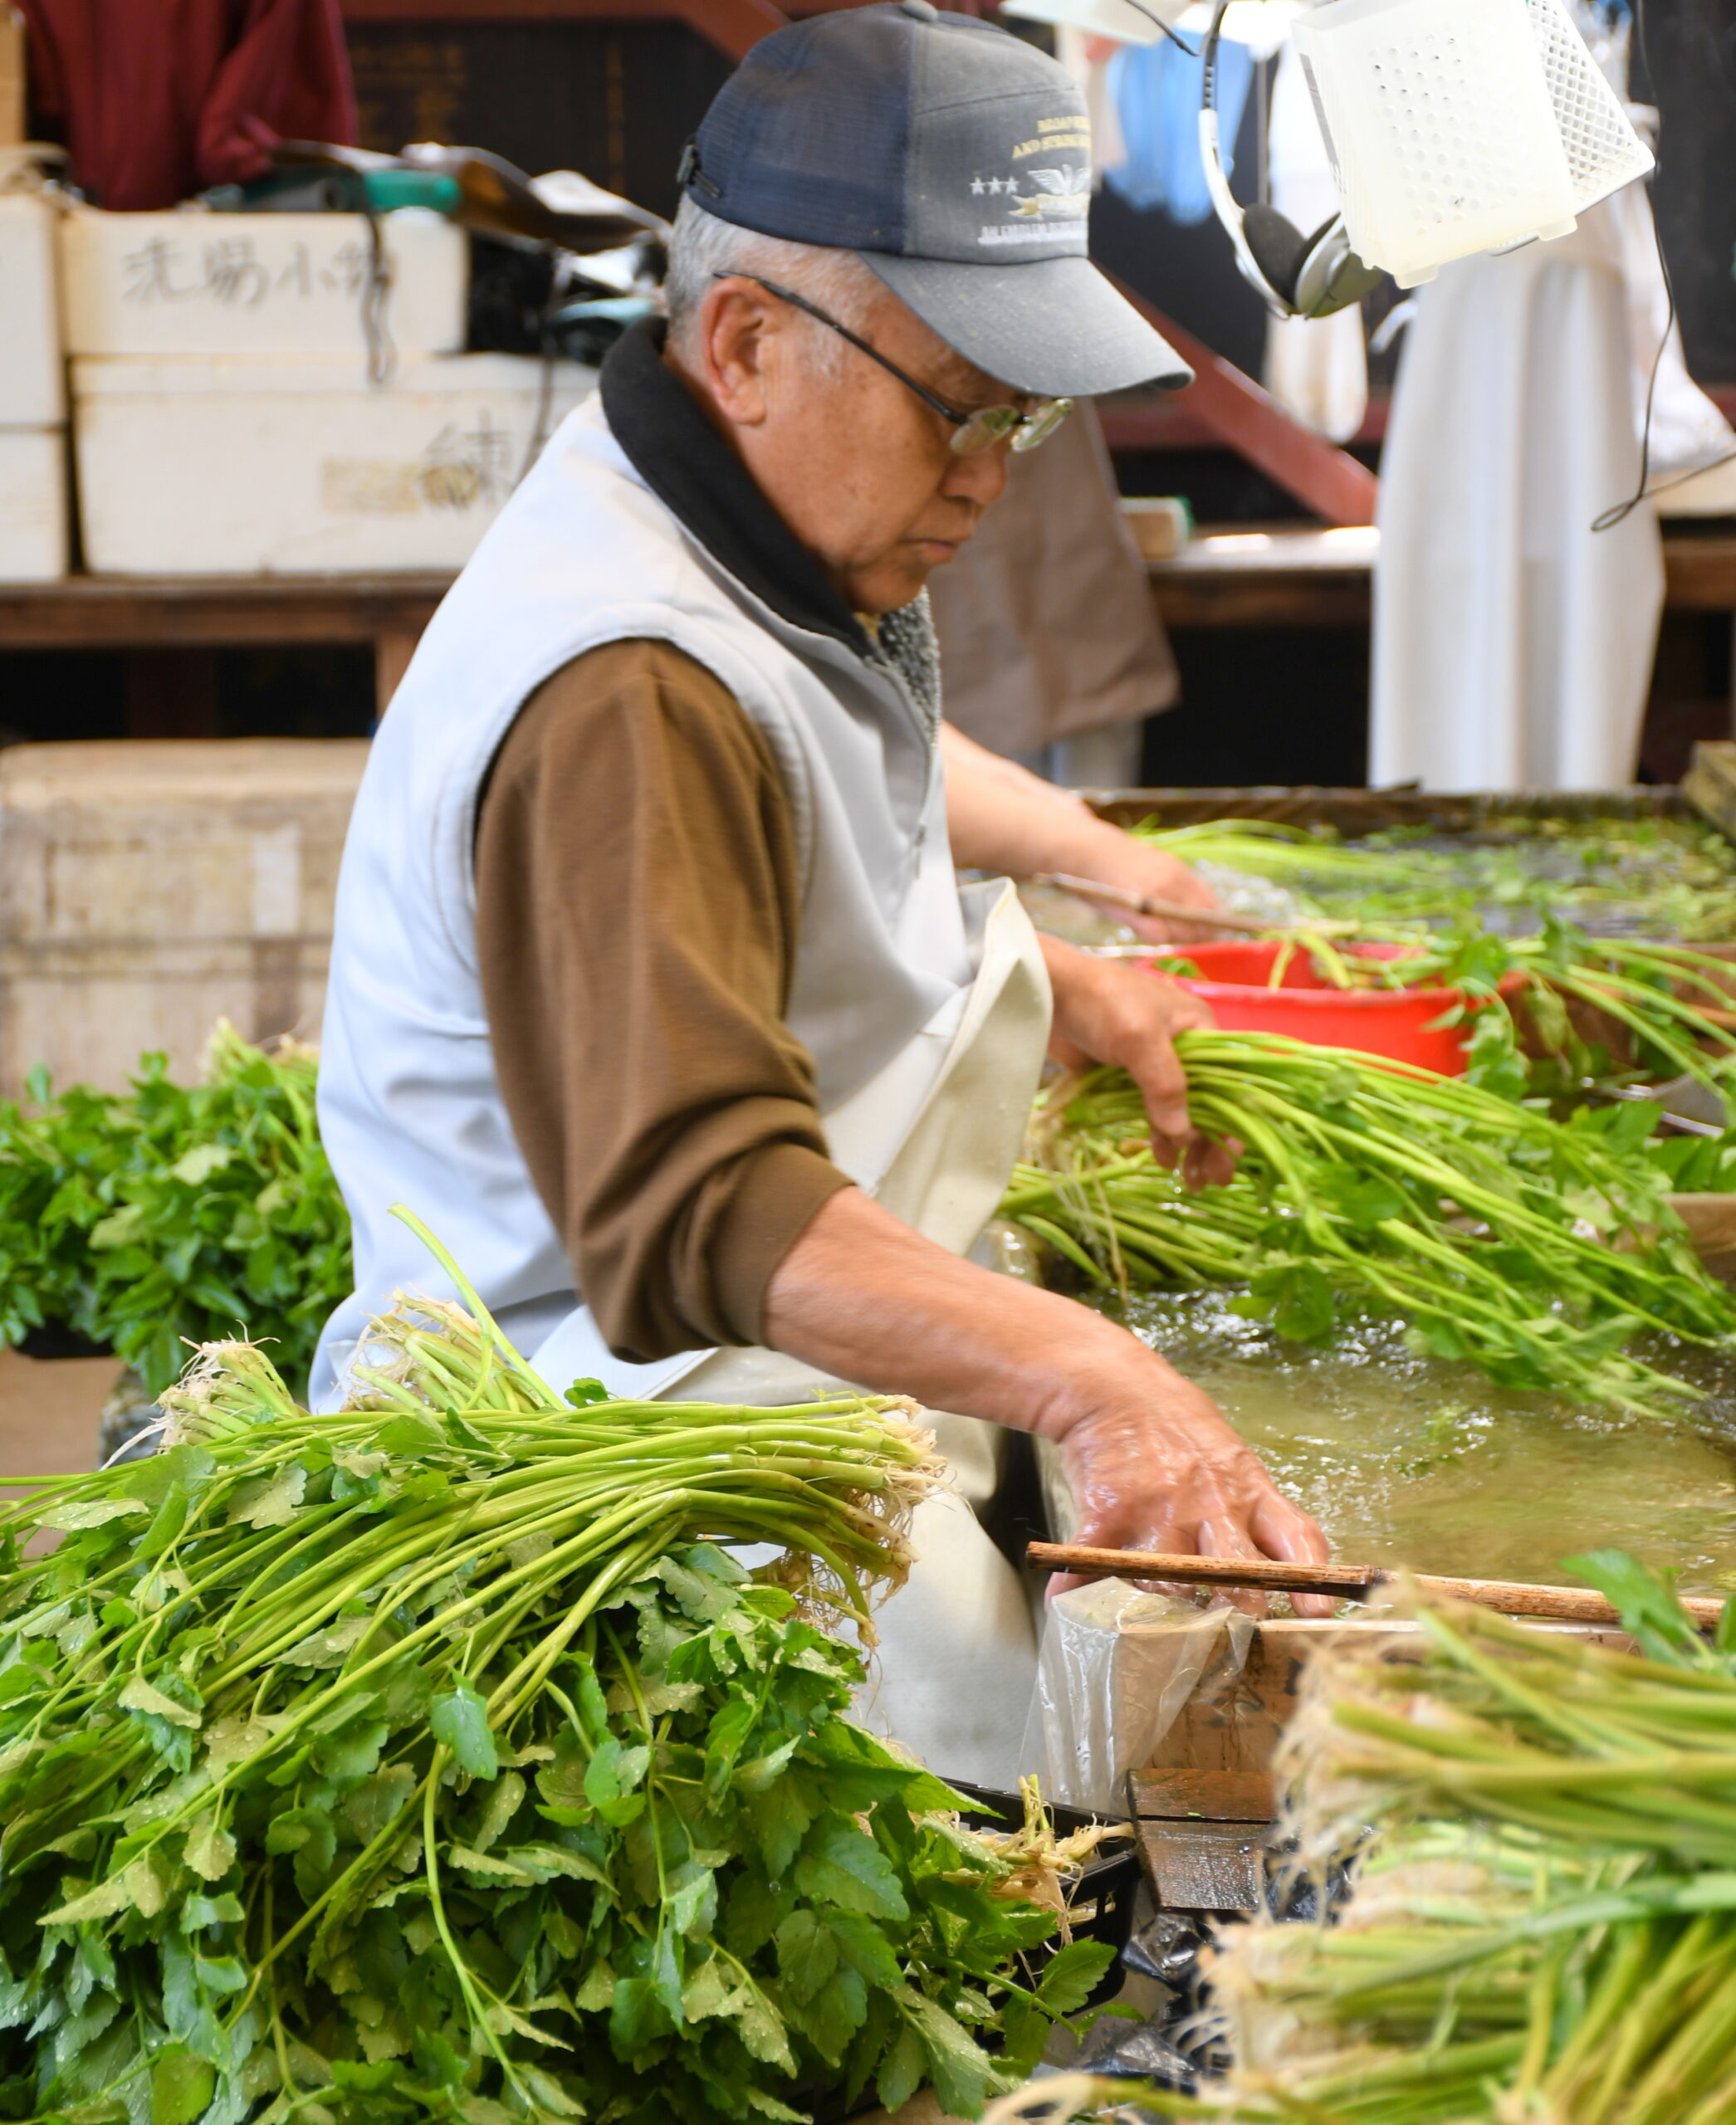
x,y
1152,1463
862,1296
1004,818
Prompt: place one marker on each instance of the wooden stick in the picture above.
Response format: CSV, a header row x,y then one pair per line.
x,y
1168,911
1350,1582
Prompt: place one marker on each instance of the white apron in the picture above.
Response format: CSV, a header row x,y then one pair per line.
x,y
956,1665
1513,644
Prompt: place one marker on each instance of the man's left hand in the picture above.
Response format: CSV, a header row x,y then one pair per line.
x,y
1136,867
1108,1011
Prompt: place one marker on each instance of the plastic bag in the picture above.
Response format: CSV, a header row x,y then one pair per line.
x,y
1115,1669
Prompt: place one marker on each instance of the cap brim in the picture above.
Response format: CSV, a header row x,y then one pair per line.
x,y
1055,327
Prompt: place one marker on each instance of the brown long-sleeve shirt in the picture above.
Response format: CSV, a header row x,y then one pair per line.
x,y
637,908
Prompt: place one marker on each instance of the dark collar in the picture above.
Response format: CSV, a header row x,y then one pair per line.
x,y
692,470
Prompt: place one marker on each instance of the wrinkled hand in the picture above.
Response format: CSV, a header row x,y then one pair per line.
x,y
1136,867
1108,1011
1154,1466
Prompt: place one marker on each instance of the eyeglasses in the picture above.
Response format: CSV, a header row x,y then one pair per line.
x,y
971,432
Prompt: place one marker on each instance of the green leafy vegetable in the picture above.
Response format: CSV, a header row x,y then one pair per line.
x,y
174,1215
1542,1924
434,1762
1540,1250
1667,877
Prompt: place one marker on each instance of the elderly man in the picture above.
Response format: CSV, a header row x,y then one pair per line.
x,y
653,990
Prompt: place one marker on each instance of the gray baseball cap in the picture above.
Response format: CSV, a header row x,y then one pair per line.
x,y
955,160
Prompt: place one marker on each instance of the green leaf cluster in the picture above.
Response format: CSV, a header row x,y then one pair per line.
x,y
1542,1920
1548,1004
1663,877
434,1762
173,1215
1540,1250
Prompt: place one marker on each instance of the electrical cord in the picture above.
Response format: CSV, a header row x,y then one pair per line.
x,y
1181,43
1620,511
376,291
549,347
1209,52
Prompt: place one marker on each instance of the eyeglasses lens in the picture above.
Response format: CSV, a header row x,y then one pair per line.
x,y
995,424
983,429
1042,424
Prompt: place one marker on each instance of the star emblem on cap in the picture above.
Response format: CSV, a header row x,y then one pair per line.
x,y
978,187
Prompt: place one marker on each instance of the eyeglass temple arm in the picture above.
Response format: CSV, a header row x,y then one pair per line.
x,y
844,332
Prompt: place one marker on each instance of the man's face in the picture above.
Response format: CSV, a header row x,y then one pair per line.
x,y
862,471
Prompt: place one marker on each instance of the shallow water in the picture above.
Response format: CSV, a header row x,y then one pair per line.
x,y
1410,1460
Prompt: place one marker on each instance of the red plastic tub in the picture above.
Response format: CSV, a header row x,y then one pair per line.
x,y
1399,1024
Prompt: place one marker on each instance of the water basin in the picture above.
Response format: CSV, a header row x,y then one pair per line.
x,y
1410,1460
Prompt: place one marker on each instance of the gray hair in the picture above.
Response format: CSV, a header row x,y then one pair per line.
x,y
701,245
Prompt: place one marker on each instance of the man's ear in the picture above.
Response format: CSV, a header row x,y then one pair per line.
x,y
738,324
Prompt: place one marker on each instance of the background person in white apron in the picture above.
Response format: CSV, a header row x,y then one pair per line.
x,y
653,989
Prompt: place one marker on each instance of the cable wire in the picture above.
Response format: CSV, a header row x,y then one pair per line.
x,y
1181,43
1620,511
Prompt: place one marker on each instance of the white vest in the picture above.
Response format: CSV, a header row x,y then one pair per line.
x,y
410,1104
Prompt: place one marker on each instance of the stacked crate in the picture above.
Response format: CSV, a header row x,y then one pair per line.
x,y
284,393
148,890
33,544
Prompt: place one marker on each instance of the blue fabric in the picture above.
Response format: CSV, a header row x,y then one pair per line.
x,y
1157,91
811,138
799,146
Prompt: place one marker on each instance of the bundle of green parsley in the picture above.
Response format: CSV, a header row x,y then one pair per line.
x,y
433,1762
173,1214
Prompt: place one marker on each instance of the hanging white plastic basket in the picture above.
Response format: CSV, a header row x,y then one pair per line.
x,y
1604,152
1440,127
1456,126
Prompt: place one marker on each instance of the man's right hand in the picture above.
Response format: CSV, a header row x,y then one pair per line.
x,y
1155,1466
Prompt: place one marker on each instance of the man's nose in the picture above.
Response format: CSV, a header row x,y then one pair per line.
x,y
980,478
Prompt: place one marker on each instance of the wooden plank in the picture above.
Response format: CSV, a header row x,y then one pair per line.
x,y
1320,476
138,612
1190,602
1369,811
1221,1796
1700,572
1251,549
1261,575
1203,1866
1141,421
1709,785
12,77
1282,597
1298,575
1349,1582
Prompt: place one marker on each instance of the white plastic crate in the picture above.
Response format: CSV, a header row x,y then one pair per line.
x,y
1440,126
238,467
33,505
195,283
1603,150
147,889
32,393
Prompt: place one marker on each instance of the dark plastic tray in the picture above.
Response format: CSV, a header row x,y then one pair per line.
x,y
1101,1908
1101,1905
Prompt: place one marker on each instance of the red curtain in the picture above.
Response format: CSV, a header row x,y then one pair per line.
x,y
155,99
